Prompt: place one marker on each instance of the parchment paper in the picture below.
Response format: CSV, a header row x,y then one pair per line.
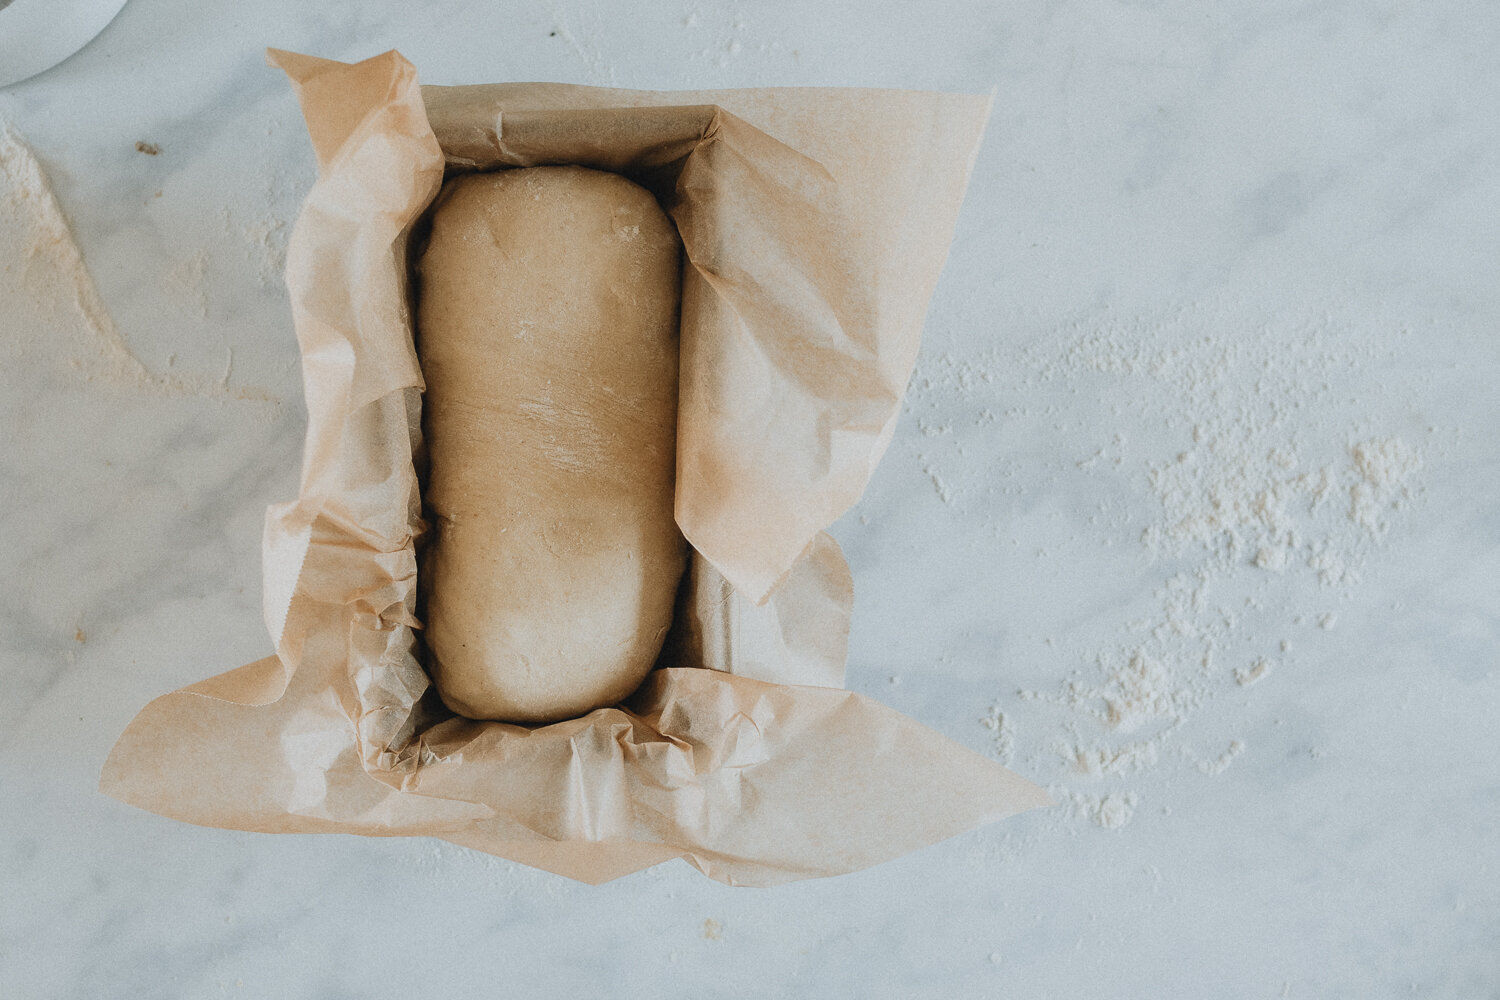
x,y
815,227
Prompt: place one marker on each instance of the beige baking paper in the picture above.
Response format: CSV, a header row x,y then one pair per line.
x,y
815,224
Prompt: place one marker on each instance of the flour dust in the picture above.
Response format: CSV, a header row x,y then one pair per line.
x,y
1250,483
53,311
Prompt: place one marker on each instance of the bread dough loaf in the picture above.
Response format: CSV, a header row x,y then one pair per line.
x,y
547,334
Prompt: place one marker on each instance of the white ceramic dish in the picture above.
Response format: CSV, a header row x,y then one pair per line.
x,y
36,35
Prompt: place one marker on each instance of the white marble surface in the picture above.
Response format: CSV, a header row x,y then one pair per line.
x,y
1272,221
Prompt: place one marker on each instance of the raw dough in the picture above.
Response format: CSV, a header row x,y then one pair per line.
x,y
547,334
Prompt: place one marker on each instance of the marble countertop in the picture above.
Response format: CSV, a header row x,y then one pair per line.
x,y
1193,516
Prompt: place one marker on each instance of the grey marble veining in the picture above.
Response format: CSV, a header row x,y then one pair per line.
x,y
1309,188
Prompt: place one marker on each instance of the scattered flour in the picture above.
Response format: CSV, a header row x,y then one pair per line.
x,y
1004,737
585,42
1095,762
264,239
1245,676
1386,468
52,308
268,236
723,27
46,283
1137,690
1110,811
1274,488
944,493
1219,763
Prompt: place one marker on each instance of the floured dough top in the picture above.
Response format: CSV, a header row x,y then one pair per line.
x,y
547,334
